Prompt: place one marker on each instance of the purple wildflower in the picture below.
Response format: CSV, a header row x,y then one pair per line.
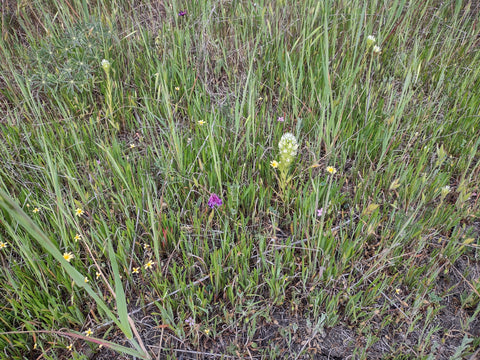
x,y
190,321
214,201
281,119
182,13
320,212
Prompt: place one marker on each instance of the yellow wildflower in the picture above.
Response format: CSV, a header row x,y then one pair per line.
x,y
3,245
149,264
89,332
77,237
68,256
201,122
135,270
36,210
274,164
331,170
79,212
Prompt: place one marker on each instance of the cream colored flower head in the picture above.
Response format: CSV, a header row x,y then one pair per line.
x,y
445,190
288,149
371,40
377,50
106,65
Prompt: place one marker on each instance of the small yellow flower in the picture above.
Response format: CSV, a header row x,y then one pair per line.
x,y
89,332
146,246
79,212
274,164
207,331
132,146
86,280
149,264
201,122
36,210
77,237
135,270
70,347
97,274
3,245
331,170
177,88
68,256
377,50
398,291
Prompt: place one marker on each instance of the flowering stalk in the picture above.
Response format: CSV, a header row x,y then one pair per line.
x,y
374,49
288,147
109,98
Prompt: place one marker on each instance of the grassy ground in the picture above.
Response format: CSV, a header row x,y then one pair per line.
x,y
361,241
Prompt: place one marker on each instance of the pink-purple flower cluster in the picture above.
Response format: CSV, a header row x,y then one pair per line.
x,y
214,201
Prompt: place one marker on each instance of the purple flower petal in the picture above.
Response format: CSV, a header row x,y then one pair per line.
x,y
281,119
320,212
182,13
214,201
